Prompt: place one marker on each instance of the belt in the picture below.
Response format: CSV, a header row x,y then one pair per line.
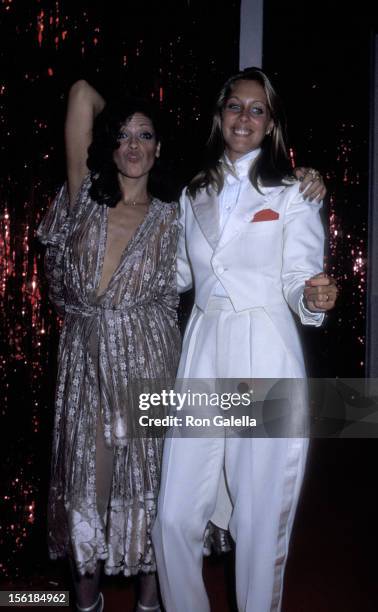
x,y
97,310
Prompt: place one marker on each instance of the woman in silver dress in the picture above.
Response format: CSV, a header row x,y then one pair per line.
x,y
110,262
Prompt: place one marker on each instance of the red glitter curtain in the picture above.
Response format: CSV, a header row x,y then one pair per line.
x,y
322,72
169,52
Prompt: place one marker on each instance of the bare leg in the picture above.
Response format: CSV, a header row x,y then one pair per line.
x,y
148,591
104,472
87,587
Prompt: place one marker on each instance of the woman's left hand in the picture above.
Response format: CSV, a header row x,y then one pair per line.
x,y
320,293
312,184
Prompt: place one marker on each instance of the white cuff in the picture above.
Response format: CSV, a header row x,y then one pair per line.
x,y
308,317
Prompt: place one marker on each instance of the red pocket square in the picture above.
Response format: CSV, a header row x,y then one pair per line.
x,y
266,215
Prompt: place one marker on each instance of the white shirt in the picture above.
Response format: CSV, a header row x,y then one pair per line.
x,y
229,197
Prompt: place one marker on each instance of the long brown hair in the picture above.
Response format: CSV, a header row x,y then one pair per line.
x,y
272,164
105,188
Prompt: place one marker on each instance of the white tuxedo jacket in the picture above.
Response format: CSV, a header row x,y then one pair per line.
x,y
260,263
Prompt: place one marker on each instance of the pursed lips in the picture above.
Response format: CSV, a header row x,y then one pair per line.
x,y
133,157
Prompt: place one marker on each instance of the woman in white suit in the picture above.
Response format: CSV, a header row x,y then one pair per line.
x,y
252,246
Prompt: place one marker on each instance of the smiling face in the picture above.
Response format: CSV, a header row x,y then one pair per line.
x,y
137,148
246,119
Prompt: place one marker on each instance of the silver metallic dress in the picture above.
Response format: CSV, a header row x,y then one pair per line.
x,y
108,344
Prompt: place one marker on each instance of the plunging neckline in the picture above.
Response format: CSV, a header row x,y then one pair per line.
x,y
103,245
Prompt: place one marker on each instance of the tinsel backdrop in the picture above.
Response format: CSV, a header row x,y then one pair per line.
x,y
178,53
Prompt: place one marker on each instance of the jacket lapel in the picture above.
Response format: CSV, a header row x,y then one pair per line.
x,y
206,211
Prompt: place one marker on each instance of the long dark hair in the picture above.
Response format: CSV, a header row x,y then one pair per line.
x,y
272,165
105,189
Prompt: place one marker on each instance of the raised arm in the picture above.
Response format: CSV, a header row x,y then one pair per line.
x,y
84,104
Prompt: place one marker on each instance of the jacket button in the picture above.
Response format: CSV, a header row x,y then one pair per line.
x,y
220,270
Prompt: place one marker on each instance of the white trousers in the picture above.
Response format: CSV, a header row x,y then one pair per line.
x,y
264,478
263,475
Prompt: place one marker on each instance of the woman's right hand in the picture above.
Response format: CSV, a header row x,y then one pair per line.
x,y
320,292
84,104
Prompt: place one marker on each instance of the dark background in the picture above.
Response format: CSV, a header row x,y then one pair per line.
x,y
180,53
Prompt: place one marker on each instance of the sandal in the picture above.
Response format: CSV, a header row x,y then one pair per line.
x,y
141,608
99,602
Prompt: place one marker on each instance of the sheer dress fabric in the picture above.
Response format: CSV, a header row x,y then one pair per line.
x,y
108,344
